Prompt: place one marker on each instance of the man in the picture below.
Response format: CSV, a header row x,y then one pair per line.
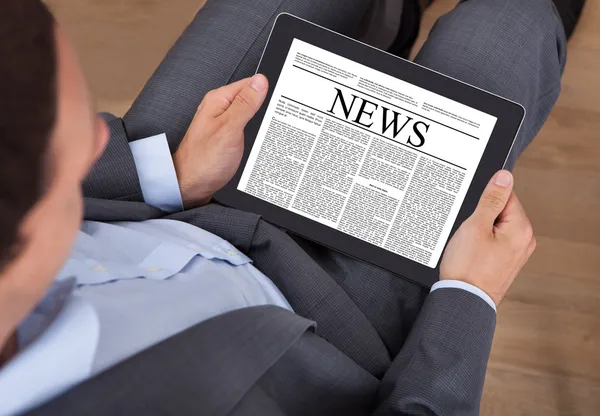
x,y
169,304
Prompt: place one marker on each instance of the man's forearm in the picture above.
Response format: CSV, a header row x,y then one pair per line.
x,y
441,369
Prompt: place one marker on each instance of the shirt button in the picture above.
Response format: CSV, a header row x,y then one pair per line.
x,y
99,269
233,252
153,269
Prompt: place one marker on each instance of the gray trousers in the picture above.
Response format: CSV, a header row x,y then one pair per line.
x,y
514,48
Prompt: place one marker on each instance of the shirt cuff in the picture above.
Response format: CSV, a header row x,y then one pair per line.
x,y
156,172
457,284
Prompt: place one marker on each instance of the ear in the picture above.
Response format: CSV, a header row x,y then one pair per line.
x,y
102,137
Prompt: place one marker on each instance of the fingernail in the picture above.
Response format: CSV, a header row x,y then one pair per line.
x,y
258,83
504,179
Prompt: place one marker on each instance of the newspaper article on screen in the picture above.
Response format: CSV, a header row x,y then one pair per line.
x,y
370,155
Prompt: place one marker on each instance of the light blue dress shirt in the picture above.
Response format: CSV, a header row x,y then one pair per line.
x,y
128,286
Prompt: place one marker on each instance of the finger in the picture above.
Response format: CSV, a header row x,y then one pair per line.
x,y
216,102
494,198
513,221
247,102
513,213
531,247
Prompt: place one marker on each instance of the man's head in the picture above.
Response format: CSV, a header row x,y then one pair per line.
x,y
49,139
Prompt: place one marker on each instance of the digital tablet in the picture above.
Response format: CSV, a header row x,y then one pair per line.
x,y
367,153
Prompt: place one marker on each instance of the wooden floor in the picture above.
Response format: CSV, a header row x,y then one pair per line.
x,y
546,354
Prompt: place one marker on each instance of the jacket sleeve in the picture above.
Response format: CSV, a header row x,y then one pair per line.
x,y
441,368
114,175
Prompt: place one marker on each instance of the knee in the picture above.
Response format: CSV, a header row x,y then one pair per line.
x,y
508,47
498,34
524,19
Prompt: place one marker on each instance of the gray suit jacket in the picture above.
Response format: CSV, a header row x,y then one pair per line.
x,y
363,341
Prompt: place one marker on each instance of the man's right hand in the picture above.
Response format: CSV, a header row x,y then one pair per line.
x,y
490,248
212,149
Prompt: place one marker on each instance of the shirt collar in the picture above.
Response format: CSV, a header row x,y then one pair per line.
x,y
60,340
45,312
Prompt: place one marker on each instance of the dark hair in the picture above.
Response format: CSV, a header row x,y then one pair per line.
x,y
28,107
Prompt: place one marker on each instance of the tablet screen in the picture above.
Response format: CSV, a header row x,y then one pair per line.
x,y
365,153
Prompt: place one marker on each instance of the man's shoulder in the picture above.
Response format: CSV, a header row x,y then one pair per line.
x,y
219,361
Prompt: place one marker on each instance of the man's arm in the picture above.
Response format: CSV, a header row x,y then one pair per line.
x,y
138,171
114,175
441,368
145,171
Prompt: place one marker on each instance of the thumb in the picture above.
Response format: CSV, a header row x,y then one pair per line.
x,y
247,102
495,197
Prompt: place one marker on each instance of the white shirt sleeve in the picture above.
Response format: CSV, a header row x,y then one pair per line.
x,y
156,172
457,284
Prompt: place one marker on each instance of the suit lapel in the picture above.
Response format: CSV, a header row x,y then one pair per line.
x,y
237,227
233,225
105,210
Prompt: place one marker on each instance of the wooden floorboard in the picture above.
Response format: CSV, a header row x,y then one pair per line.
x,y
546,353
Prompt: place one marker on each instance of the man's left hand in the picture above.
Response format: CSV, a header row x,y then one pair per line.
x,y
212,148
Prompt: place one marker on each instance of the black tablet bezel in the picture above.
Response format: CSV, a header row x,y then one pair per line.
x,y
509,114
